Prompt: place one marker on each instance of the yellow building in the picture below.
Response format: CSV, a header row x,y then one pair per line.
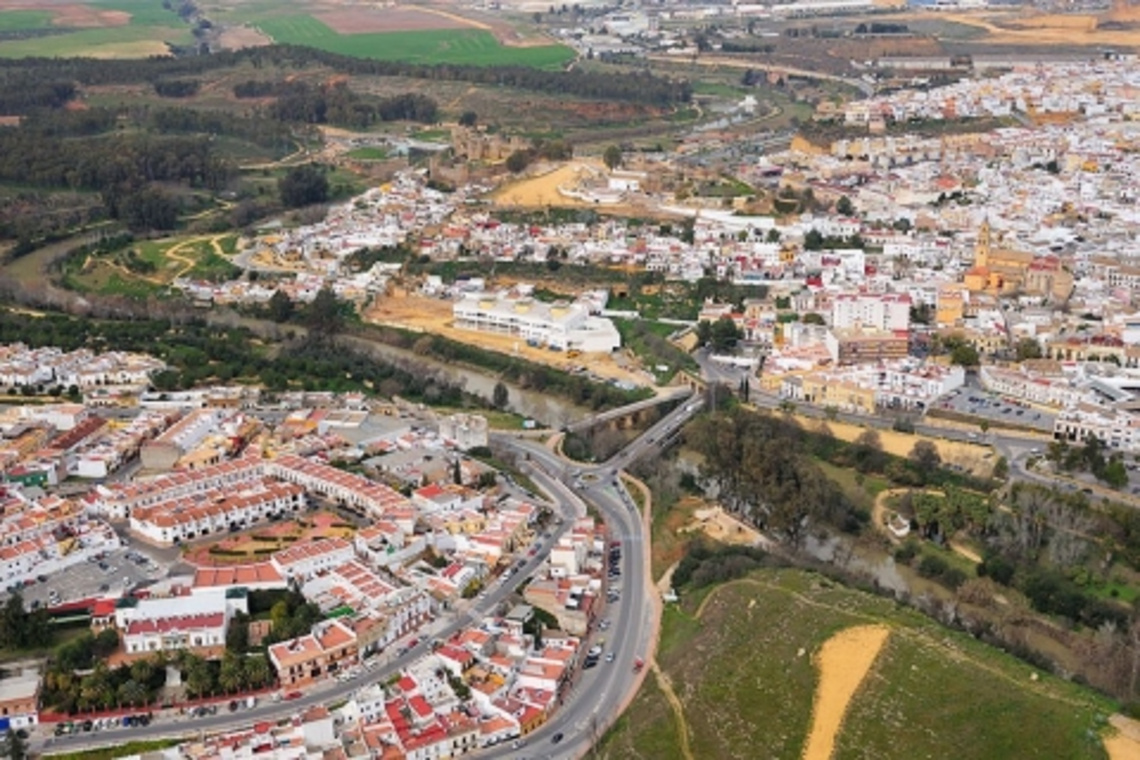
x,y
951,305
996,271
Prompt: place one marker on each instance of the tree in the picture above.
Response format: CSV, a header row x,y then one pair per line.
x,y
133,693
813,240
845,207
518,161
105,644
15,748
964,355
231,674
303,185
323,315
868,452
1001,469
1028,348
612,157
199,675
142,670
468,119
925,456
237,634
813,318
280,307
149,209
500,396
257,671
724,334
1115,474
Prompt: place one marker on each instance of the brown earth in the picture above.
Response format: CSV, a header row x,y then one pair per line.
x,y
238,37
71,15
372,20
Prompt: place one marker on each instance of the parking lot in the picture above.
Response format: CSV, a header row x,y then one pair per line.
x,y
87,579
987,406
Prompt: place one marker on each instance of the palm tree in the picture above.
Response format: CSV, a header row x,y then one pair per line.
x,y
133,693
257,671
231,676
96,690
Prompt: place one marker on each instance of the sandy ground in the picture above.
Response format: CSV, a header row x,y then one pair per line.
x,y
1044,29
1125,743
433,315
112,50
721,526
542,190
970,456
843,661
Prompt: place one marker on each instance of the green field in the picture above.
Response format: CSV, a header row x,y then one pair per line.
x,y
112,42
459,46
143,12
373,153
745,679
19,21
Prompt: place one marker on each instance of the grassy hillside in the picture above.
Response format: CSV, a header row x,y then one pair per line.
x,y
740,664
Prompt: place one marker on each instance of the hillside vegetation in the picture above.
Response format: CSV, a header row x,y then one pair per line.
x,y
740,663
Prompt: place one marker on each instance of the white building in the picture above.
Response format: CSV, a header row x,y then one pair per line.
x,y
881,311
182,622
560,326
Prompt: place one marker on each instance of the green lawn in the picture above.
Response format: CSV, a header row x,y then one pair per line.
x,y
18,21
745,677
460,46
371,153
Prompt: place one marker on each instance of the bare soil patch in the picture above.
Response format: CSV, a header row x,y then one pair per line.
x,y
1125,743
373,20
238,37
975,458
71,15
843,661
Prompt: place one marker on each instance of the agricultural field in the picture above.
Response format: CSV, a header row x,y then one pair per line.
x,y
784,663
477,47
99,29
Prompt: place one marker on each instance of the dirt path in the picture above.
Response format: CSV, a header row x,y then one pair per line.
x,y
844,661
666,687
879,511
1125,743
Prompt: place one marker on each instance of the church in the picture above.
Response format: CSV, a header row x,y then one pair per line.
x,y
1003,271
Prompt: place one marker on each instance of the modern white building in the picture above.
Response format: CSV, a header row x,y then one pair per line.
x,y
560,326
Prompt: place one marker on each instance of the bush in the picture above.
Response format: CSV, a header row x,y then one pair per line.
x,y
932,566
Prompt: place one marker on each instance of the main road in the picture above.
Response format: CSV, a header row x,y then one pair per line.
x,y
596,696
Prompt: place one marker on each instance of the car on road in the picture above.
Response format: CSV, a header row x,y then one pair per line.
x,y
610,657
556,738
293,695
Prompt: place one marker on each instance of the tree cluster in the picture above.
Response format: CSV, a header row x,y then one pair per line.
x,y
1089,457
761,472
337,104
20,628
